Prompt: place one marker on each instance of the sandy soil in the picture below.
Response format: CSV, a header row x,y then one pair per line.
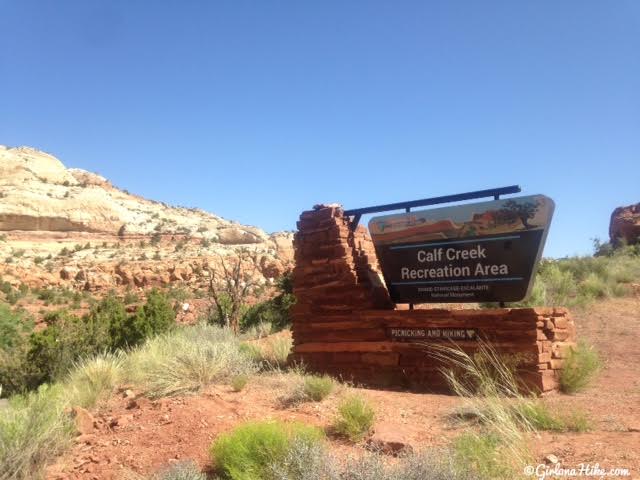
x,y
143,436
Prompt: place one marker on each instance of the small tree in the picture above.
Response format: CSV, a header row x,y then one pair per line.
x,y
230,287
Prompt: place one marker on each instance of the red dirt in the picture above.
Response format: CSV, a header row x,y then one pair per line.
x,y
153,434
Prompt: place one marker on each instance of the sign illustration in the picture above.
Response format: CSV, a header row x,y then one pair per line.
x,y
477,252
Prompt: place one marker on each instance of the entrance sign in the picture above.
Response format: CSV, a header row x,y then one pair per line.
x,y
477,252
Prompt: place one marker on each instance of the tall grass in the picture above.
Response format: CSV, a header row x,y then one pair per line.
x,y
186,360
489,388
33,430
92,381
270,353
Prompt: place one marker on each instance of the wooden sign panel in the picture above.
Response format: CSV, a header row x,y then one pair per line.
x,y
478,252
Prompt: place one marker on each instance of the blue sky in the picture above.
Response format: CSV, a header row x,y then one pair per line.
x,y
258,110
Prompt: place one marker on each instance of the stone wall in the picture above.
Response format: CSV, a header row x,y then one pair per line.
x,y
343,320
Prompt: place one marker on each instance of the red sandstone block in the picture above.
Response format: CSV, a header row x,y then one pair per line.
x,y
383,359
544,357
561,322
549,380
561,335
345,357
541,335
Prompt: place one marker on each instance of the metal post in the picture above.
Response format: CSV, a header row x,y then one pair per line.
x,y
407,210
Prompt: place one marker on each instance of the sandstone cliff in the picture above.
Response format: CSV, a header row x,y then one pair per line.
x,y
70,226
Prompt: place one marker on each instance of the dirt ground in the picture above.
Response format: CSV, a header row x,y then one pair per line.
x,y
142,436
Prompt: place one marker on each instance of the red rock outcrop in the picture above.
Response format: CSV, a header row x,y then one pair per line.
x,y
624,227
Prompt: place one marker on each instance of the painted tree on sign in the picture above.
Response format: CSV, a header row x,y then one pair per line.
x,y
524,211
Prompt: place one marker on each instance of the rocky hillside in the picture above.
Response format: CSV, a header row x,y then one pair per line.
x,y
70,227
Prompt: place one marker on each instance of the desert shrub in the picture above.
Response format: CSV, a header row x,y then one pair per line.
x,y
317,388
312,461
179,294
130,298
354,419
482,454
274,311
92,380
14,325
577,281
66,339
540,417
33,430
186,359
579,368
270,353
156,316
238,382
258,331
180,471
249,451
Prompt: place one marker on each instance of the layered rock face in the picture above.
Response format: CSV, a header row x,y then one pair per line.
x,y
625,225
70,226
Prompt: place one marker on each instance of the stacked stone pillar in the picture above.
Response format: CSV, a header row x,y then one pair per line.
x,y
343,317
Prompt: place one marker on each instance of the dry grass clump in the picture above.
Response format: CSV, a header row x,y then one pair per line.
x,y
270,353
355,418
33,430
240,381
317,388
186,360
92,380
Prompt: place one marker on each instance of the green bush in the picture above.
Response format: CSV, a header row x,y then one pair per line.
x,y
579,368
249,451
180,471
355,418
540,417
483,455
13,327
67,338
130,298
238,382
577,281
155,317
318,388
49,354
274,311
